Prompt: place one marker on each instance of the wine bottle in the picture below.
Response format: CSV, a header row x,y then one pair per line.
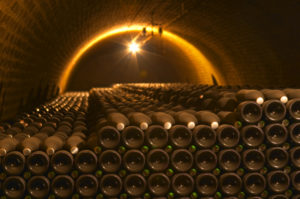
x,y
276,134
274,110
158,160
139,119
14,187
110,161
185,118
275,94
74,143
207,184
251,95
38,162
253,159
252,136
206,160
133,137
230,183
164,119
7,144
62,162
208,118
109,137
229,159
295,156
156,136
86,161
294,130
180,136
293,109
254,183
28,145
182,160
228,136
182,184
159,184
249,112
13,163
277,157
87,185
38,186
135,184
54,142
111,185
278,181
134,160
118,120
204,136
62,186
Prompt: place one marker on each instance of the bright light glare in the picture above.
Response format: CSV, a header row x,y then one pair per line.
x,y
134,47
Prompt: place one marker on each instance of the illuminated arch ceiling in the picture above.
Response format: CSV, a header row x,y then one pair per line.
x,y
202,66
248,41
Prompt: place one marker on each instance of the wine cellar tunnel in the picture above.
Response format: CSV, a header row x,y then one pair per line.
x,y
185,55
248,42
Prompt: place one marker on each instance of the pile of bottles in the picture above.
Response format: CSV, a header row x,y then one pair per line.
x,y
156,141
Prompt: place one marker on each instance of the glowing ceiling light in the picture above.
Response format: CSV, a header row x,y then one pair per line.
x,y
193,54
134,47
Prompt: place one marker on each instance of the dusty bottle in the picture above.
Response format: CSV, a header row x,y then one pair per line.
x,y
158,184
250,95
206,160
185,118
277,157
278,181
134,160
182,184
139,119
230,183
228,136
274,110
249,112
229,160
252,135
276,133
38,186
62,186
74,143
204,136
253,159
109,137
180,136
111,185
182,160
135,184
208,118
110,161
38,162
62,162
87,185
158,160
86,161
156,136
254,183
133,137
118,120
13,163
14,187
207,184
164,119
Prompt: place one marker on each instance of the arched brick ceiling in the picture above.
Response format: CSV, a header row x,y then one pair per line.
x,y
250,41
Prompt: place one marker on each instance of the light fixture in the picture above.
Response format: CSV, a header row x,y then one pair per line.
x,y
134,47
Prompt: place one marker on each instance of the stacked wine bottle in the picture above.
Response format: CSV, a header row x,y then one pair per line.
x,y
156,141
